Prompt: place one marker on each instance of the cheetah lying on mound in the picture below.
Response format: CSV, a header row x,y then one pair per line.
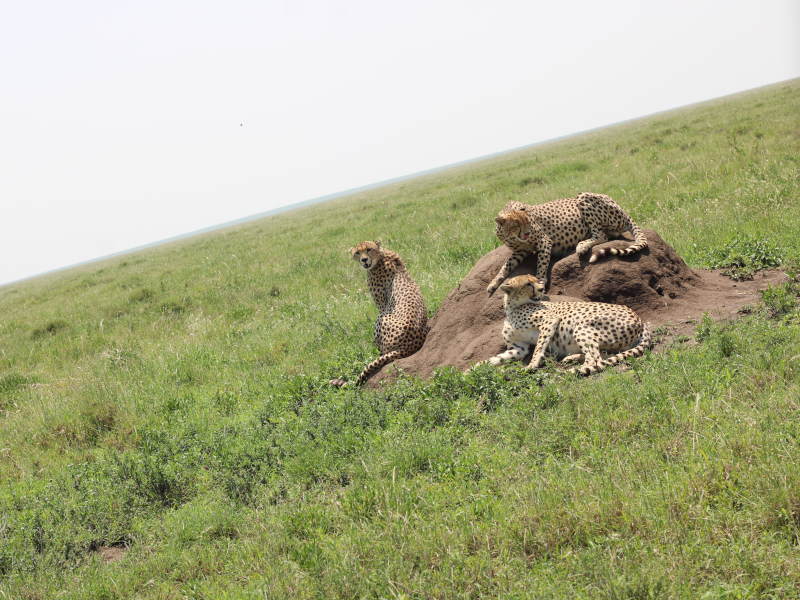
x,y
401,326
569,330
559,226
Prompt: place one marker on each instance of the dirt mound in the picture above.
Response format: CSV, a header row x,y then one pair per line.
x,y
656,283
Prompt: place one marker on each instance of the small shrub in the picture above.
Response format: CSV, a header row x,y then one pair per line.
x,y
744,256
142,295
52,328
726,345
526,181
156,480
779,300
173,307
705,328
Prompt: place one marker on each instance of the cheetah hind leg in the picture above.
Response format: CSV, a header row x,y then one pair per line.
x,y
645,342
598,237
593,361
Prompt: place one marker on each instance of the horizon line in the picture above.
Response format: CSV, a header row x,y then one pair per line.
x,y
370,186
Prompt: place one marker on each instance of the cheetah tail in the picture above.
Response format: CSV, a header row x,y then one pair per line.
x,y
645,341
377,364
639,244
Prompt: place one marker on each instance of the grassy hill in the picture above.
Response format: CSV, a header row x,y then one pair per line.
x,y
172,404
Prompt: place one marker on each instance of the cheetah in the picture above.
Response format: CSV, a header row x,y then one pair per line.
x,y
402,323
559,226
569,330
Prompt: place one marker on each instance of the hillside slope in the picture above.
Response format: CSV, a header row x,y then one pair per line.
x,y
166,430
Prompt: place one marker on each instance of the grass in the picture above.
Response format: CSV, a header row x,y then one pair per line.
x,y
173,403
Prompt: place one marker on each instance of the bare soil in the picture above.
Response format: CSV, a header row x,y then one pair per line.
x,y
111,554
656,283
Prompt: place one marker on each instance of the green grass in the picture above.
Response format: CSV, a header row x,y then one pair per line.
x,y
174,401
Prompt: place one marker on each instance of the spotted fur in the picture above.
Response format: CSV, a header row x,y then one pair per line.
x,y
401,326
556,228
568,330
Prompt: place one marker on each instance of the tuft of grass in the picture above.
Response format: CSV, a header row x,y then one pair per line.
x,y
567,168
175,307
49,329
782,300
526,181
12,382
142,295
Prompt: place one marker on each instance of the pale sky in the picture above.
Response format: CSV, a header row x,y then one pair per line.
x,y
120,121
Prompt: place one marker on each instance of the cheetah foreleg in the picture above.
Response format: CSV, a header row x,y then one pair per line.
x,y
510,264
543,259
546,333
514,352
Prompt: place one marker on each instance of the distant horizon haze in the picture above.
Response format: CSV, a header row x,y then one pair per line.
x,y
368,186
124,126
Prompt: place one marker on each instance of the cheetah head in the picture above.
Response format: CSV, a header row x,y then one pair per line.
x,y
367,254
522,288
514,225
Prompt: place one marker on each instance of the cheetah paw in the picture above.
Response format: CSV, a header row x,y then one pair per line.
x,y
582,371
339,383
571,358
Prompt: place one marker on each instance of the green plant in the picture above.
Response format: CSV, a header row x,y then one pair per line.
x,y
743,256
782,299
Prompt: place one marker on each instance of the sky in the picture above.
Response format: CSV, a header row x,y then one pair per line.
x,y
124,123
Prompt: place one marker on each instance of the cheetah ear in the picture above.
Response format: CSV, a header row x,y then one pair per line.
x,y
499,220
352,251
378,243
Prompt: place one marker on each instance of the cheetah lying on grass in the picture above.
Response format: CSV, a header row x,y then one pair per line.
x,y
401,326
559,226
569,330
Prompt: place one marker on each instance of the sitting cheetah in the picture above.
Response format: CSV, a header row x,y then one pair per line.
x,y
401,326
559,226
569,330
